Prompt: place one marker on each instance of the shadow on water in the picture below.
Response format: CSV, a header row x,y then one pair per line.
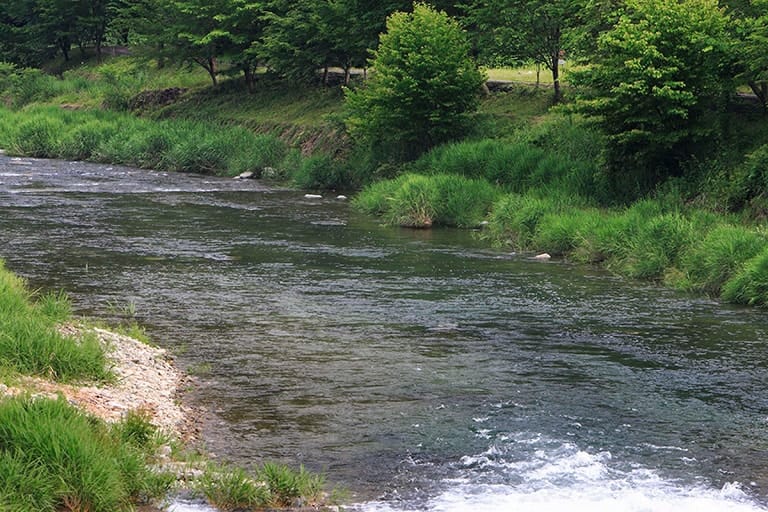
x,y
407,364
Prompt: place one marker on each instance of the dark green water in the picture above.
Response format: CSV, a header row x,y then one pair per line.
x,y
421,369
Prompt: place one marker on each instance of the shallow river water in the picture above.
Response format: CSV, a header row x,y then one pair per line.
x,y
421,370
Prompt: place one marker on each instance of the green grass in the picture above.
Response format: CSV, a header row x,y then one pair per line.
x,y
114,137
55,457
273,485
419,201
30,342
750,284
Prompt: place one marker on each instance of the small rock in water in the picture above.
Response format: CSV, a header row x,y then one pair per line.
x,y
341,197
244,176
543,257
312,196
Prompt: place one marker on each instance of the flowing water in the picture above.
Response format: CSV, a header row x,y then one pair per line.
x,y
421,370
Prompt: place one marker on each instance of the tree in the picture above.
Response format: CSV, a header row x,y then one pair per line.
x,y
751,30
655,80
524,30
423,86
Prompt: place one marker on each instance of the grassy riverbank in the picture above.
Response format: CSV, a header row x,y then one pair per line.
x,y
56,456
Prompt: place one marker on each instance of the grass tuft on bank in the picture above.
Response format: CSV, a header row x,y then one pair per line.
x,y
55,457
30,342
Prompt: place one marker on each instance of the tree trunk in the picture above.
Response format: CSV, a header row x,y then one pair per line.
x,y
64,46
249,78
347,73
538,74
556,77
325,76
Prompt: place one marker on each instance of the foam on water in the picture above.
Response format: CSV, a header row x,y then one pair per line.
x,y
567,478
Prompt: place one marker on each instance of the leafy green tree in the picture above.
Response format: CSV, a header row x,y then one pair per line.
x,y
194,31
750,28
23,38
424,85
655,80
525,30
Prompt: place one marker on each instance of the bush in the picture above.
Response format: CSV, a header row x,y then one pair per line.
x,y
750,284
715,259
54,457
749,183
424,85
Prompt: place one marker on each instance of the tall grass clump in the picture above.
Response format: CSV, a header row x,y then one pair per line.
x,y
653,246
711,261
30,342
273,485
750,284
321,172
55,457
37,137
417,201
515,219
375,199
516,166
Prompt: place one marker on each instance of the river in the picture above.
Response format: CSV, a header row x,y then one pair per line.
x,y
421,370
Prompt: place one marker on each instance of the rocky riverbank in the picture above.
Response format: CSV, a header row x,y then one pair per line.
x,y
145,379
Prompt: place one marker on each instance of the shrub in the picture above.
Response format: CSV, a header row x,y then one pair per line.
x,y
715,259
750,180
425,83
750,284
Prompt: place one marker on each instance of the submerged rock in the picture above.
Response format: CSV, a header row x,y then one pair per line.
x,y
312,196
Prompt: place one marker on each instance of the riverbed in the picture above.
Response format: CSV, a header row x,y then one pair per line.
x,y
421,370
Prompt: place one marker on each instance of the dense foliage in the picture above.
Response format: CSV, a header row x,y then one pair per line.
x,y
656,77
424,85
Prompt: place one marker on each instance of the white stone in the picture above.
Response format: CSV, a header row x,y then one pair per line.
x,y
312,196
543,257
